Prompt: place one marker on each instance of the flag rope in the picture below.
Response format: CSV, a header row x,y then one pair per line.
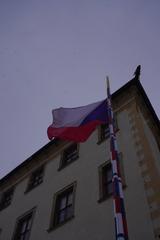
x,y
121,230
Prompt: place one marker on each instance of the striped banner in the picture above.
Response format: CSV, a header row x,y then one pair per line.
x,y
118,199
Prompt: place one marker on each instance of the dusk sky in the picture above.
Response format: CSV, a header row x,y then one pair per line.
x,y
57,53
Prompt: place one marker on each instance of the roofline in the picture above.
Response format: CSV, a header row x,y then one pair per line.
x,y
28,160
133,82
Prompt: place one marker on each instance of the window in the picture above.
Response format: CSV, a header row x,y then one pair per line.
x,y
104,130
105,178
6,198
23,226
69,155
105,181
36,178
63,206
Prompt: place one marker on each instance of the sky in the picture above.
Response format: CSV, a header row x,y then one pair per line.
x,y
57,53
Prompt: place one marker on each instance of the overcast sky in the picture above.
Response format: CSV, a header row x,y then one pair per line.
x,y
57,53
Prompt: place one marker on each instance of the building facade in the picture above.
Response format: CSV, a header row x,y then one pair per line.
x,y
64,191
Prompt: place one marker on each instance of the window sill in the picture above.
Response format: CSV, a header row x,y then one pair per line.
x,y
102,199
52,228
31,188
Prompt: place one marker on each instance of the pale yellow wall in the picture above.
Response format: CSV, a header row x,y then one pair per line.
x,y
151,175
92,220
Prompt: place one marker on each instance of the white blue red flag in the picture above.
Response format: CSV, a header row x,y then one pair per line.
x,y
77,124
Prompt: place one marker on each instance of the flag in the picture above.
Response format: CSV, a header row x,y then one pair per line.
x,y
77,124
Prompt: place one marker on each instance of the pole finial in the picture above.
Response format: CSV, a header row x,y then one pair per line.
x,y
108,87
107,81
137,72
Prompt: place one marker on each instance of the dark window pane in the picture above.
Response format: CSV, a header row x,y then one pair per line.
x,y
63,202
110,188
64,206
6,198
62,216
69,212
70,198
69,155
107,187
36,178
24,227
104,131
107,173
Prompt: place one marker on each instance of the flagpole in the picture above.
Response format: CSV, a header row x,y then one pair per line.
x,y
121,229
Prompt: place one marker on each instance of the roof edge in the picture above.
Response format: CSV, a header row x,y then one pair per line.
x,y
135,81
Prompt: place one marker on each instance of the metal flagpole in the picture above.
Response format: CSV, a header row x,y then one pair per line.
x,y
118,200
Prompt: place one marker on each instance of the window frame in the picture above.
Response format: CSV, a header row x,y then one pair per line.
x,y
20,220
102,195
63,161
31,180
107,168
3,205
103,132
54,213
101,129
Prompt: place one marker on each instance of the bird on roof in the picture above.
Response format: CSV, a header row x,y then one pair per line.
x,y
137,72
